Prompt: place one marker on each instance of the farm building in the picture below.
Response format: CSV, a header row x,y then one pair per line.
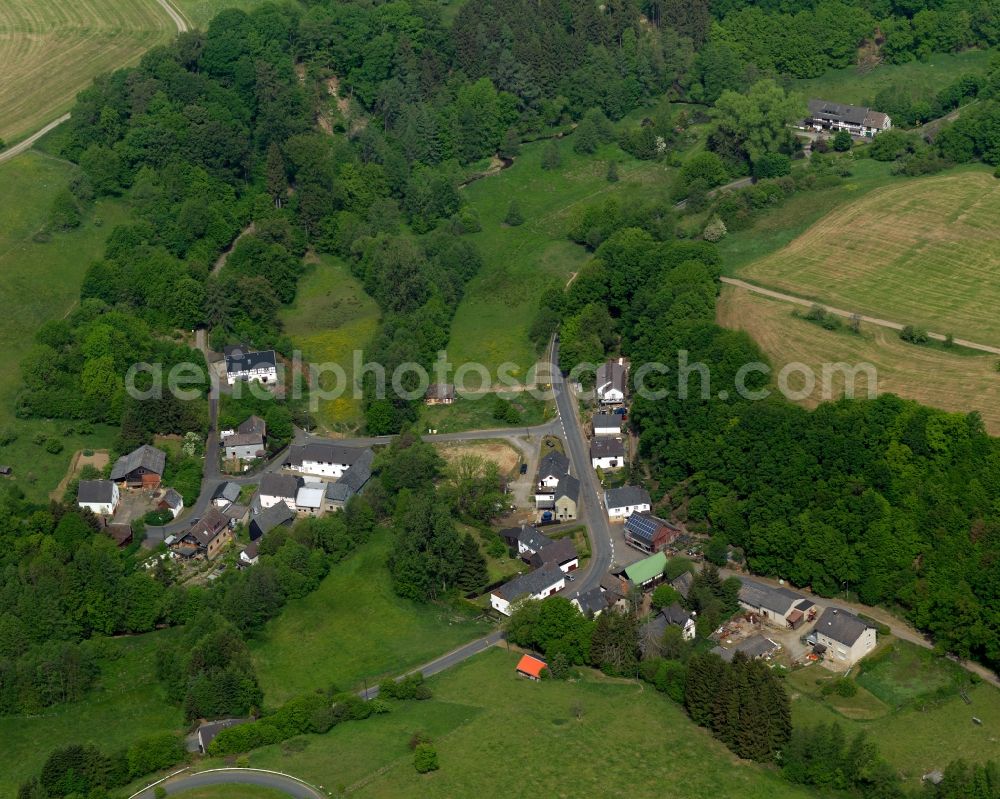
x,y
309,499
647,533
244,365
845,637
269,518
530,667
99,496
350,482
275,488
754,647
856,120
779,606
647,572
141,468
682,583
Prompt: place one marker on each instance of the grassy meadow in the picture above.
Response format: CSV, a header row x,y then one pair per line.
x,y
492,322
127,704
922,251
507,736
476,413
352,628
39,281
51,50
853,86
199,13
909,704
331,317
931,375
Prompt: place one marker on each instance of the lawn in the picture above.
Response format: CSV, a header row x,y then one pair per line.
x,y
127,704
199,13
933,376
51,50
851,86
915,730
923,251
475,412
354,628
330,319
492,322
40,281
500,735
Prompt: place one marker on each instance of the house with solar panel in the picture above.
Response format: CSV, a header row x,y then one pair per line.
x,y
645,532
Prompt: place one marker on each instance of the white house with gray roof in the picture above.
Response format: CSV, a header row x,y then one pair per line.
x,y
846,637
777,605
538,584
623,502
610,383
99,496
351,482
245,365
856,120
323,459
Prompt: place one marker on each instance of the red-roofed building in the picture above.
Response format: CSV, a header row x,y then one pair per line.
x,y
531,667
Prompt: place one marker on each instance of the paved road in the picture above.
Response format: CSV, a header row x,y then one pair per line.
x,y
872,320
237,776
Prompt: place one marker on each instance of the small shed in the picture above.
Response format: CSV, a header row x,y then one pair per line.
x,y
5,471
531,667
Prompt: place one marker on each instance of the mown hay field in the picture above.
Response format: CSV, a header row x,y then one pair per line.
x,y
934,376
50,50
923,252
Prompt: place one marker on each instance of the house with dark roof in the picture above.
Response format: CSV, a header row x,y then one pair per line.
x,y
607,453
623,502
856,120
207,732
99,496
524,541
250,553
591,603
245,365
120,532
607,424
275,488
647,533
171,501
206,538
551,469
253,424
269,518
566,498
755,647
226,494
610,383
776,605
141,468
847,637
244,446
560,552
652,632
537,584
440,394
682,583
323,459
350,482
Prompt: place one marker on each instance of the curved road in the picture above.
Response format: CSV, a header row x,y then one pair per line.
x,y
23,146
236,776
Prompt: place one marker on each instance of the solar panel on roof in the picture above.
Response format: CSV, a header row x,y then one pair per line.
x,y
642,526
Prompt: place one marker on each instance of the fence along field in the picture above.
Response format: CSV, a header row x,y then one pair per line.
x,y
923,252
51,49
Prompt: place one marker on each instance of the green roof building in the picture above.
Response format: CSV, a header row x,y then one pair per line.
x,y
647,570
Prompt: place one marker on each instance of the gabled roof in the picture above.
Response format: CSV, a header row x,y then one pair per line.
x,y
531,583
208,527
592,601
150,458
682,583
645,527
228,491
610,375
612,586
272,517
172,499
95,491
528,535
779,600
251,551
559,552
626,496
240,360
841,626
607,448
209,730
440,391
310,496
279,485
253,424
675,614
321,452
245,440
646,569
360,471
569,487
825,109
555,464
604,420
531,666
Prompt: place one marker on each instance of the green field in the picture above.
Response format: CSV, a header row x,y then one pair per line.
x,y
492,322
200,12
476,413
330,319
127,704
923,251
50,50
41,281
851,86
500,735
909,705
354,628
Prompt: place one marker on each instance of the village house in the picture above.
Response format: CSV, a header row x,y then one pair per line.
x,y
120,532
524,541
244,446
537,584
250,554
270,518
309,499
350,482
843,637
141,468
756,647
652,632
561,553
856,120
208,731
236,513
171,501
623,502
610,383
607,424
253,425
682,583
531,667
275,488
226,494
646,573
615,589
778,606
647,533
100,496
323,459
551,469
206,538
439,394
567,496
591,603
243,365
607,453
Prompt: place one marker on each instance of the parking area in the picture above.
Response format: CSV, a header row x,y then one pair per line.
x,y
135,504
